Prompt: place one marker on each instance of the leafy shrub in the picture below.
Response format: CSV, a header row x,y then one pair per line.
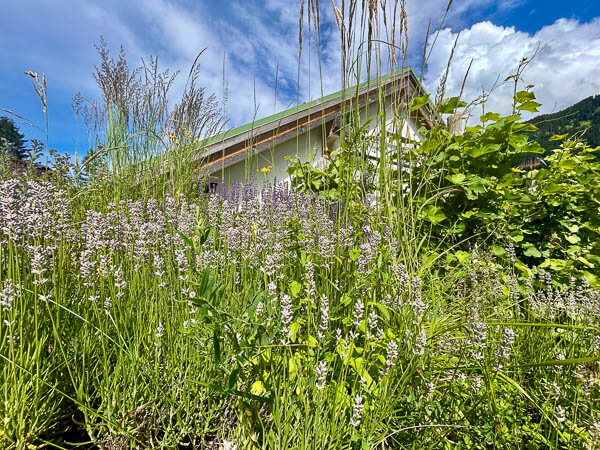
x,y
488,183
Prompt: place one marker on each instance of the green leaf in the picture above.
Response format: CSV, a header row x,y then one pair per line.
x,y
498,250
233,377
257,388
434,213
449,105
462,256
476,152
532,251
524,96
457,178
382,309
354,254
559,137
552,188
216,347
530,106
568,164
490,116
418,102
295,288
586,262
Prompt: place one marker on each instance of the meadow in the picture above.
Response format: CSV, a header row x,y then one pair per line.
x,y
445,299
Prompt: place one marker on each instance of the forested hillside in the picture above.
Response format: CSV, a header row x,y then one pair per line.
x,y
584,115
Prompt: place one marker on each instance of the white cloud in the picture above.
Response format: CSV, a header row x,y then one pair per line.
x,y
564,71
256,37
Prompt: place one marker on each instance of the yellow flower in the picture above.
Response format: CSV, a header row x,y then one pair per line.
x,y
265,170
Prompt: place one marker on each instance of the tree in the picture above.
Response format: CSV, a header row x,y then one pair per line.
x,y
15,140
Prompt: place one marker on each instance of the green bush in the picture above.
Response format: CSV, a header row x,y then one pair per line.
x,y
488,183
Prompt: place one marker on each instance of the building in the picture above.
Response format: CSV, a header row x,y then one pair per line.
x,y
260,150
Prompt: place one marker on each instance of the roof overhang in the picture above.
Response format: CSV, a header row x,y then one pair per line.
x,y
232,146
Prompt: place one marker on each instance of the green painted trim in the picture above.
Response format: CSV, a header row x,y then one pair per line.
x,y
302,107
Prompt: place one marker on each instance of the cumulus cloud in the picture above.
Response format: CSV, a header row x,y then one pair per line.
x,y
257,38
564,71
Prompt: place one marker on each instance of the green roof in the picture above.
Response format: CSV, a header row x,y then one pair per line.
x,y
299,108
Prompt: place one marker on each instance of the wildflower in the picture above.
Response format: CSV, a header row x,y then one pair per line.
x,y
40,281
229,445
510,252
7,296
392,354
476,384
401,278
508,339
560,356
595,431
45,298
321,374
359,312
416,302
107,303
286,314
324,325
38,261
560,414
477,342
363,383
420,344
430,388
353,335
159,266
260,308
357,409
160,330
373,322
120,282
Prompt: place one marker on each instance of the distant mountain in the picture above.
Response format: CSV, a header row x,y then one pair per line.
x,y
576,118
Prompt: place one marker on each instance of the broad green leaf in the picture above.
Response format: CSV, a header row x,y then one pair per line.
x,y
552,188
462,256
532,251
295,288
524,96
449,105
530,106
258,388
476,152
418,102
490,116
586,262
434,214
457,178
498,250
567,164
354,254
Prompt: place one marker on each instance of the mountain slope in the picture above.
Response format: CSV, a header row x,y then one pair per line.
x,y
574,119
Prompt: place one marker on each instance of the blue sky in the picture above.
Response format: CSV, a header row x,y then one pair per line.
x,y
256,37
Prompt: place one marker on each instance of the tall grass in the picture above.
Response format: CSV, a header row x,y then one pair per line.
x,y
139,313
